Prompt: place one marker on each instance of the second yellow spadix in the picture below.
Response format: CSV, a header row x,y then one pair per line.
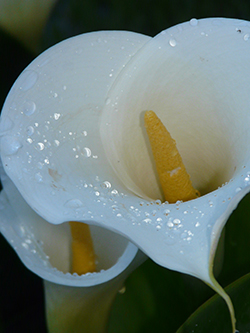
x,y
83,255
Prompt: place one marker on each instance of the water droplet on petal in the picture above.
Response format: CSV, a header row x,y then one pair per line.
x,y
26,246
247,179
114,193
40,146
27,80
166,211
6,124
246,37
30,130
73,203
193,22
172,42
56,143
106,184
57,116
10,145
43,63
170,224
86,152
85,133
28,108
108,100
176,221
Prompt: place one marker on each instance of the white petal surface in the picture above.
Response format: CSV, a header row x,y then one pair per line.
x,y
50,122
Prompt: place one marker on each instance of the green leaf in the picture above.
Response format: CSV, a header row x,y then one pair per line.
x,y
156,299
213,316
134,303
237,258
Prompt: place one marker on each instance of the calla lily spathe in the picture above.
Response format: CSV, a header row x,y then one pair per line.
x,y
73,302
74,143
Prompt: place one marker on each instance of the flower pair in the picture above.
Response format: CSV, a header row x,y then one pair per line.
x,y
74,144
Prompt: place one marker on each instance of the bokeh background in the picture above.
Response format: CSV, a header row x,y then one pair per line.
x,y
155,299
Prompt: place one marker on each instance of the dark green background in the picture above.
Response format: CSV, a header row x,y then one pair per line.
x,y
156,299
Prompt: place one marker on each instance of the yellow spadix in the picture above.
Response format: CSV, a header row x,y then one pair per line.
x,y
174,179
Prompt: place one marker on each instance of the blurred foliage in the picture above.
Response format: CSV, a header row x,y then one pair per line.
x,y
156,299
14,58
20,19
148,16
214,313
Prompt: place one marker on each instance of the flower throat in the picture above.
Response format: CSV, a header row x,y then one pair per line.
x,y
174,180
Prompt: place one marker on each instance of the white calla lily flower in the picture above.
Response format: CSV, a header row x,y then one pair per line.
x,y
73,302
74,144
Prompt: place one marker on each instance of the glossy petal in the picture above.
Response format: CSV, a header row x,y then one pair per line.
x,y
46,249
72,302
52,114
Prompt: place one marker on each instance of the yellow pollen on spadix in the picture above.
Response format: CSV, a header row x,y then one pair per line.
x,y
83,255
174,179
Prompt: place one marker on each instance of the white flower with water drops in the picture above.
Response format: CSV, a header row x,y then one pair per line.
x,y
71,299
195,77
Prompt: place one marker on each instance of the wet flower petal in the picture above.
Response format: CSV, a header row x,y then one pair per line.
x,y
71,300
46,249
53,111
